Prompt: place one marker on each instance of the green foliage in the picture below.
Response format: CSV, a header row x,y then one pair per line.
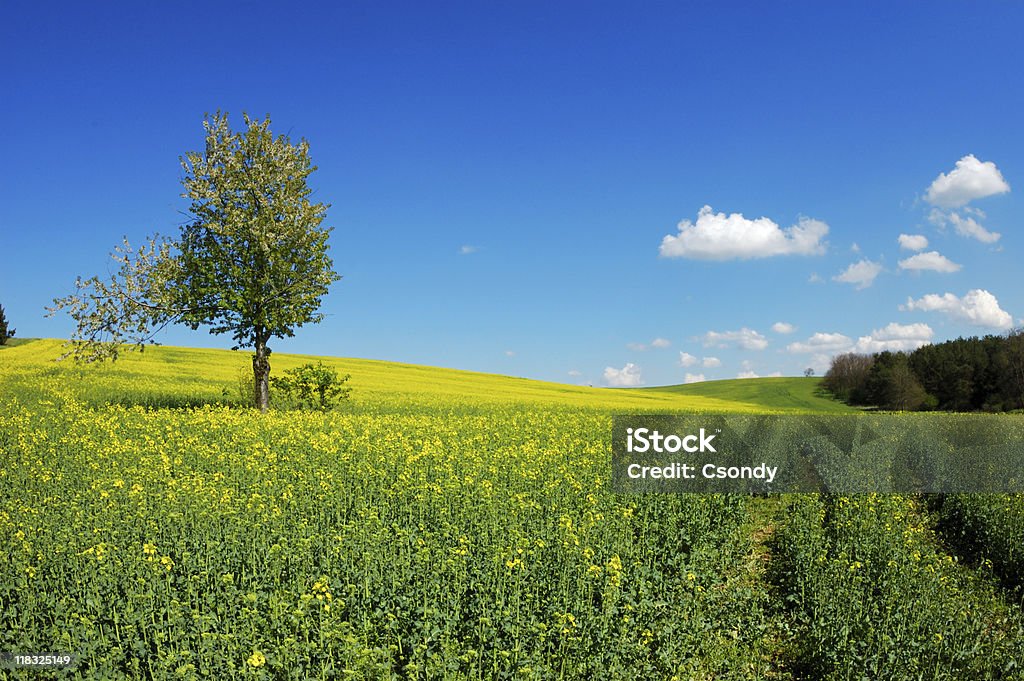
x,y
312,386
5,332
252,262
847,377
987,529
892,385
966,374
441,543
448,524
872,596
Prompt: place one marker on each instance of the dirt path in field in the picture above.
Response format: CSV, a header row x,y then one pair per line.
x,y
764,515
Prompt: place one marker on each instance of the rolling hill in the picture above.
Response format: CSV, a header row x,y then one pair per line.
x,y
177,376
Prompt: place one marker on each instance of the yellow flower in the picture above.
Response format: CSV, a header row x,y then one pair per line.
x,y
167,562
149,549
257,660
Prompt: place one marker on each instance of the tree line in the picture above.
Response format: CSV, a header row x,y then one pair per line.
x,y
966,374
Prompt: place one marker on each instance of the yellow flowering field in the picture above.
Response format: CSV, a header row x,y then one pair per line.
x,y
441,525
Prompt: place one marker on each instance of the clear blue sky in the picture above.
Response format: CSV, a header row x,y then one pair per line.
x,y
504,175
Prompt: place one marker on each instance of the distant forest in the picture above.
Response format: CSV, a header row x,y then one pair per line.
x,y
966,374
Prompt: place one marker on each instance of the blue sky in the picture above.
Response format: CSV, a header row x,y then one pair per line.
x,y
520,187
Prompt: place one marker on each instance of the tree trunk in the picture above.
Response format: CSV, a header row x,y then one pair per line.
x,y
261,375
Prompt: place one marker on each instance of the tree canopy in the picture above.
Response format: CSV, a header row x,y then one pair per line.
x,y
5,330
252,260
966,374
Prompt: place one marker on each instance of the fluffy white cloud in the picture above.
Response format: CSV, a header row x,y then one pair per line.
x,y
626,377
717,236
694,378
862,274
913,242
932,260
710,362
971,179
686,359
748,339
821,343
978,307
969,227
783,327
821,362
660,343
895,338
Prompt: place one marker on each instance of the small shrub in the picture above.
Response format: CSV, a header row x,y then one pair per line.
x,y
311,386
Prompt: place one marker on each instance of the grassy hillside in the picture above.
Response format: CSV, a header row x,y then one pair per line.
x,y
174,376
802,394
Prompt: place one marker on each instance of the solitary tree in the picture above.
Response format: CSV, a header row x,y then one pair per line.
x,y
252,261
5,331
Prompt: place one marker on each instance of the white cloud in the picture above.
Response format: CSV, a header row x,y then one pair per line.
x,y
752,374
895,338
686,359
717,236
820,363
626,377
978,307
971,179
970,227
855,248
932,260
862,274
657,343
783,327
821,343
913,242
575,373
467,249
815,278
694,378
748,339
711,362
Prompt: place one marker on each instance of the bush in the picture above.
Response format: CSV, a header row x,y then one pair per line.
x,y
311,386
